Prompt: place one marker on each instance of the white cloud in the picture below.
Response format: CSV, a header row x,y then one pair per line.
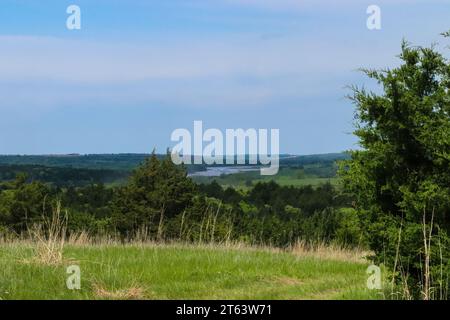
x,y
44,58
323,4
241,71
76,61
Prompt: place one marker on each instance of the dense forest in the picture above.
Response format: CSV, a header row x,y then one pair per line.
x,y
160,198
62,176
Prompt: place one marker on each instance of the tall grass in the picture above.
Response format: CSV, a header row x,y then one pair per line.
x,y
329,251
428,287
154,270
49,237
142,267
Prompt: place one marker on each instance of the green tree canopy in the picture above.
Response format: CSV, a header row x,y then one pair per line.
x,y
401,176
158,189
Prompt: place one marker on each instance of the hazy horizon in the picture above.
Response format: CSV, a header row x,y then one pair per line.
x,y
144,153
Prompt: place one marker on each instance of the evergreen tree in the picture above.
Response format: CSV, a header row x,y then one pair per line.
x,y
401,177
157,190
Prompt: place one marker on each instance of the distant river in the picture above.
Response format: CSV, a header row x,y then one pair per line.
x,y
218,171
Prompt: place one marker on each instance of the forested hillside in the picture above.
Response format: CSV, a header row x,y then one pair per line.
x,y
114,169
160,198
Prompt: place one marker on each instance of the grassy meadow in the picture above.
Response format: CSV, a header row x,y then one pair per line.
x,y
176,271
313,175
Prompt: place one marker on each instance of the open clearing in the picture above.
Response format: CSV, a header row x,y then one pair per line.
x,y
152,271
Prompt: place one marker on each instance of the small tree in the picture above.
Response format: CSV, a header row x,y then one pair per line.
x,y
156,191
400,179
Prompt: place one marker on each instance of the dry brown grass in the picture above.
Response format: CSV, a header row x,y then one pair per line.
x,y
48,241
49,238
288,281
49,249
132,293
329,252
79,239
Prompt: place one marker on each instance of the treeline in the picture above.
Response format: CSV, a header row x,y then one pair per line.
x,y
129,161
62,176
124,161
162,202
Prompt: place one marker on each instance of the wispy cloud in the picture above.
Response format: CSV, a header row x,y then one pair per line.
x,y
233,71
323,4
27,58
140,68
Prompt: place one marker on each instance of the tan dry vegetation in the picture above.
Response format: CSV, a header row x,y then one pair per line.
x,y
288,281
49,238
50,251
329,251
132,293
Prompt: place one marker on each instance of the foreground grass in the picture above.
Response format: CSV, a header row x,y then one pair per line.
x,y
181,272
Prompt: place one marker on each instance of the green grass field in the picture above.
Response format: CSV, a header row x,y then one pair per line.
x,y
181,272
285,177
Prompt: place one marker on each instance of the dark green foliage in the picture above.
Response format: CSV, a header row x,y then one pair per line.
x,y
401,177
80,170
161,201
124,162
22,203
105,164
158,190
272,214
62,176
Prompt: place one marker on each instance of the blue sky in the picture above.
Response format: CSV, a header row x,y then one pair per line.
x,y
137,70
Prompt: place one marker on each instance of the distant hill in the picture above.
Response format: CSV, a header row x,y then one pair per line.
x,y
129,161
125,161
77,170
62,176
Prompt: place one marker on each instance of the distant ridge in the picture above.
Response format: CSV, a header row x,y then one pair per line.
x,y
129,161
